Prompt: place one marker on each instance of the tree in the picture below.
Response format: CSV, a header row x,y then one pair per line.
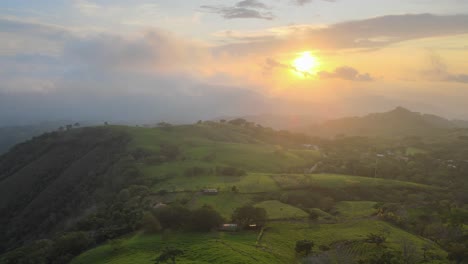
x,y
72,243
387,257
150,224
174,217
376,239
458,252
313,216
76,124
234,189
169,254
238,122
249,215
304,246
205,218
409,252
164,124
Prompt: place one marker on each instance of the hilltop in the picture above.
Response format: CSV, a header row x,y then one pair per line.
x,y
398,122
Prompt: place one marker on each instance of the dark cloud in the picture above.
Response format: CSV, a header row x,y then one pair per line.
x,y
243,9
346,73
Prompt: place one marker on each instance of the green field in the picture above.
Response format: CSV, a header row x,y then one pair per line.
x,y
226,145
348,222
278,210
411,151
224,203
297,181
231,248
276,246
355,209
251,183
280,237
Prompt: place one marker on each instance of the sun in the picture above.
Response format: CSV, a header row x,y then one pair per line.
x,y
306,63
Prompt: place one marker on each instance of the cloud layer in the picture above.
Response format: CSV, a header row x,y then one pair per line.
x,y
58,72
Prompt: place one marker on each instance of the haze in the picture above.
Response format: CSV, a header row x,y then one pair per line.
x,y
144,61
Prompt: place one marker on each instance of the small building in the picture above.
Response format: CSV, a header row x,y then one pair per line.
x,y
159,205
229,227
253,227
210,191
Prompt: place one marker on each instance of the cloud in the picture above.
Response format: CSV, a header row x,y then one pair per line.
x,y
271,64
438,71
149,76
252,4
367,34
243,9
304,2
346,73
87,7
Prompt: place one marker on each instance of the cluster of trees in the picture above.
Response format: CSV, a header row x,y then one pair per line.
x,y
121,215
438,221
89,168
176,217
69,127
180,218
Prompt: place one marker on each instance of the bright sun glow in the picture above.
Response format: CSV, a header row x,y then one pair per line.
x,y
306,63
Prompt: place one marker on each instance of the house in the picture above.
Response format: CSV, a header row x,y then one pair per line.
x,y
229,227
210,191
159,205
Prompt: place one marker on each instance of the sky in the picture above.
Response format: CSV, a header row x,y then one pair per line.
x,y
181,60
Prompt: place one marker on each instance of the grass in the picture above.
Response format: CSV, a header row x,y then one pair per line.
x,y
355,209
225,145
229,248
411,151
295,181
278,210
224,203
281,236
277,245
230,146
251,183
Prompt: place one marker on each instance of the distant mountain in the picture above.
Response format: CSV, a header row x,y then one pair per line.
x,y
395,123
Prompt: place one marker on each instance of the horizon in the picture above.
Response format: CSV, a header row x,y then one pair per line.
x,y
142,62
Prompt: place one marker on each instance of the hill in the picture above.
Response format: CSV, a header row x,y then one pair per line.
x,y
399,122
119,194
12,135
53,178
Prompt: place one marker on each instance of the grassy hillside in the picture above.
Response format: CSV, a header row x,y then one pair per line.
x,y
276,245
110,179
53,178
